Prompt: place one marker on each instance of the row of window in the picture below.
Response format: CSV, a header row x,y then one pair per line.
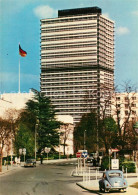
x,y
66,26
69,93
69,43
69,55
126,112
125,98
69,28
68,46
65,65
69,86
72,19
69,73
79,87
102,53
69,78
69,52
68,34
69,37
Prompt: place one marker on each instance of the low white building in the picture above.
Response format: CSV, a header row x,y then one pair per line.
x,y
17,101
66,130
125,106
13,101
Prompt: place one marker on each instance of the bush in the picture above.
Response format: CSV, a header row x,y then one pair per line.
x,y
130,165
105,163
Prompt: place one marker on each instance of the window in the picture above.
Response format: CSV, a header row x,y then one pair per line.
x,y
126,105
118,98
126,98
126,112
133,112
133,98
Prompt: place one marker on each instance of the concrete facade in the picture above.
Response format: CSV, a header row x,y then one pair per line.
x,y
77,59
126,104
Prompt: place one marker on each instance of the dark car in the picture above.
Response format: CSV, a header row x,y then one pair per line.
x,y
89,160
30,163
112,180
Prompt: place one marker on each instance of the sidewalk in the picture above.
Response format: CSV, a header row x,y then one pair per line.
x,y
93,186
9,168
92,175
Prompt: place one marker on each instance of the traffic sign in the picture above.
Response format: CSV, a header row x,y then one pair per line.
x,y
114,150
47,150
24,149
78,154
115,164
84,154
20,151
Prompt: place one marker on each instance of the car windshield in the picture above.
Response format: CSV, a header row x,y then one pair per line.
x,y
115,175
28,161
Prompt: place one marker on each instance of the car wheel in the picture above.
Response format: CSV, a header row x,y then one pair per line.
x,y
105,190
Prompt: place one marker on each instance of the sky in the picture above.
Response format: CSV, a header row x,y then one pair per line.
x,y
20,23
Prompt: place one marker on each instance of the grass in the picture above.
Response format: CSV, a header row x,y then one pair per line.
x,y
135,185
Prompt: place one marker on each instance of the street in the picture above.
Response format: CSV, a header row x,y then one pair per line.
x,y
48,179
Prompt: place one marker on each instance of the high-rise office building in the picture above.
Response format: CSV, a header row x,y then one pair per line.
x,y
77,59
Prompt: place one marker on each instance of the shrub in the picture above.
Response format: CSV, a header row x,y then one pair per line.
x,y
105,163
130,165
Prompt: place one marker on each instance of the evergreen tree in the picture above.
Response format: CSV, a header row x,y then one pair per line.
x,y
41,109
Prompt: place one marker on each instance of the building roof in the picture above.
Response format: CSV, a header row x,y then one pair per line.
x,y
79,11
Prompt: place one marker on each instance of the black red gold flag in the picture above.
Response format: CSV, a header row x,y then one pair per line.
x,y
22,52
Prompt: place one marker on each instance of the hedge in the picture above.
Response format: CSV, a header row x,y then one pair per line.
x,y
130,165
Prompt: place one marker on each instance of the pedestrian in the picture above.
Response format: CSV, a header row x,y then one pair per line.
x,y
94,162
98,160
41,158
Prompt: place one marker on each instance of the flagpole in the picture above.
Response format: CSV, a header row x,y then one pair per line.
x,y
19,74
23,54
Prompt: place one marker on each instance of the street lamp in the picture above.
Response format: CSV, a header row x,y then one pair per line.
x,y
0,157
36,126
59,146
136,134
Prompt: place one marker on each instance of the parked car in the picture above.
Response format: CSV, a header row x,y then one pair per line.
x,y
112,180
30,163
89,160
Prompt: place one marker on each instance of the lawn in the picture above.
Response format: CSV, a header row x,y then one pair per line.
x,y
135,185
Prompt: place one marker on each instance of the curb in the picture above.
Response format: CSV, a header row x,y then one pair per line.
x,y
9,170
96,191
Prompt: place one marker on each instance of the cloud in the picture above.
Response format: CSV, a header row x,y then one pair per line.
x,y
44,11
135,13
106,15
122,30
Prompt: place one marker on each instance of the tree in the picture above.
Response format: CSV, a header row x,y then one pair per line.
x,y
88,122
65,135
41,110
5,136
108,133
24,138
124,121
8,128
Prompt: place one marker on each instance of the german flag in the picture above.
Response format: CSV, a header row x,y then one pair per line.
x,y
22,52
